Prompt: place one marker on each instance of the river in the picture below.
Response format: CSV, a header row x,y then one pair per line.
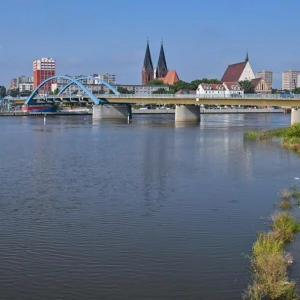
x,y
146,210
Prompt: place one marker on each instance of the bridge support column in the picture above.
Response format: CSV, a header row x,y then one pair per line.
x,y
295,116
187,113
117,111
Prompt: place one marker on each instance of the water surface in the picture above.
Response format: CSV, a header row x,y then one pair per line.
x,y
147,210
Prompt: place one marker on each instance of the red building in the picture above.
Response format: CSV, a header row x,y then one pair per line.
x,y
42,69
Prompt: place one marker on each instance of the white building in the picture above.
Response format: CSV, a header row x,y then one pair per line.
x,y
225,89
267,76
290,79
26,86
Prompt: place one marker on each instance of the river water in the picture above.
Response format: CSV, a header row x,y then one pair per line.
x,y
146,210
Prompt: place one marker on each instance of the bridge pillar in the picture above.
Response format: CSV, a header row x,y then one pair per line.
x,y
187,113
116,111
295,116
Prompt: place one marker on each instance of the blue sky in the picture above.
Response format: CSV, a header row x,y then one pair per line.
x,y
200,37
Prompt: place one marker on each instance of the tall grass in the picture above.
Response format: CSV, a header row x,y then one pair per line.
x,y
251,135
285,226
269,261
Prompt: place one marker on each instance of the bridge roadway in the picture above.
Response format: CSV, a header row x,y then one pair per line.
x,y
247,99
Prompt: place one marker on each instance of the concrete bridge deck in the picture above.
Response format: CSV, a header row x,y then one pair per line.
x,y
247,99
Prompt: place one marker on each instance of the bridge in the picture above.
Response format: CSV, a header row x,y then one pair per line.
x,y
117,105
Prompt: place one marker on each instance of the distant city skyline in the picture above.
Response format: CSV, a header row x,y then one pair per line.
x,y
110,37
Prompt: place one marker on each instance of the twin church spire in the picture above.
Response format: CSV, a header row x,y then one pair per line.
x,y
148,73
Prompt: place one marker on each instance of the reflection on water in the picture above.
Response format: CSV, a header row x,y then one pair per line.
x,y
148,210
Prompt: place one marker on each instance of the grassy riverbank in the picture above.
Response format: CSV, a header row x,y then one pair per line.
x,y
269,260
290,136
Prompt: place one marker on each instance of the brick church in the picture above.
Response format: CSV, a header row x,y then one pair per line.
x,y
161,72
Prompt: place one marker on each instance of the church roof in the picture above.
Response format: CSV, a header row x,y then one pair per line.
x,y
162,64
234,72
147,60
256,81
170,78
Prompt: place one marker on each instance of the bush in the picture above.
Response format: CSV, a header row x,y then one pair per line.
x,y
285,205
267,243
285,226
285,194
251,135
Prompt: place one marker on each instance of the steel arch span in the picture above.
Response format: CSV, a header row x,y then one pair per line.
x,y
114,90
80,85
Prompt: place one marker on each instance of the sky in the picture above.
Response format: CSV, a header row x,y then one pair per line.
x,y
201,38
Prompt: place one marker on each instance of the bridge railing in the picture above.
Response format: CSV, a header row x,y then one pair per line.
x,y
204,96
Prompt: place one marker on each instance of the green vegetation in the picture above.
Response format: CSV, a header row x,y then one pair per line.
x,y
156,82
182,85
2,91
161,91
55,92
269,260
295,194
285,205
296,90
123,90
285,226
251,135
247,86
290,136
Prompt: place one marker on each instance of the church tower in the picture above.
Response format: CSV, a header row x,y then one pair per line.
x,y
161,70
147,70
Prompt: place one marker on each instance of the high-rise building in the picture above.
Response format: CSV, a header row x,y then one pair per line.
x,y
25,79
14,83
109,78
267,76
161,69
147,69
290,79
42,69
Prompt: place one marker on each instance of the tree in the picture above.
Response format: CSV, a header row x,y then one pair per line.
x,y
98,92
123,90
247,86
55,92
25,93
161,91
296,90
2,91
180,85
156,82
13,92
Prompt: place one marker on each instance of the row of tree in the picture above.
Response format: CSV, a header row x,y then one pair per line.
x,y
180,85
